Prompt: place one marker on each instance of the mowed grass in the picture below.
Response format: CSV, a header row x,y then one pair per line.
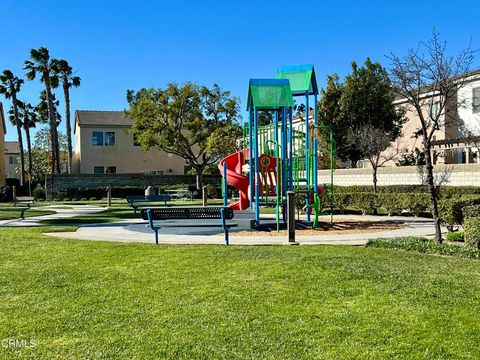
x,y
80,299
15,213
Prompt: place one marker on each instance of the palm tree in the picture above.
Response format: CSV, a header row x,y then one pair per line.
x,y
64,72
43,117
28,117
42,64
10,86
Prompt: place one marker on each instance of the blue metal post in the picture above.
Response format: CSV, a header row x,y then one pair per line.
x,y
250,154
225,184
315,149
290,158
307,155
256,179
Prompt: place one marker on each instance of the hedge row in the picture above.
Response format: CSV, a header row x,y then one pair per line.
x,y
122,192
443,191
451,210
392,203
471,229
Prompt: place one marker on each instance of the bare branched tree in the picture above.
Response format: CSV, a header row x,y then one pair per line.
x,y
427,79
373,142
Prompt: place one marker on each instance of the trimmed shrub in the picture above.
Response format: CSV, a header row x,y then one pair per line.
x,y
342,201
471,211
455,236
471,228
416,203
391,202
451,210
38,193
366,202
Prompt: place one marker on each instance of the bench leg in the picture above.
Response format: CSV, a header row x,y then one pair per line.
x,y
224,225
22,215
226,236
156,236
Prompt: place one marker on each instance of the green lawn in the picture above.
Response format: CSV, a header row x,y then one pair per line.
x,y
81,299
14,213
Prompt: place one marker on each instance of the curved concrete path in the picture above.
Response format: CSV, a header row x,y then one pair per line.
x,y
138,232
62,212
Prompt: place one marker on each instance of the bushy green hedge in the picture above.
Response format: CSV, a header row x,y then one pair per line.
x,y
38,193
99,193
471,228
451,210
455,236
444,192
393,203
471,211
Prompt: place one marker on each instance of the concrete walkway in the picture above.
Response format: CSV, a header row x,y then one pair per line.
x,y
62,212
177,232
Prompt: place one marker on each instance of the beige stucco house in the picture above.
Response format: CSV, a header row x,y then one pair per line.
x,y
11,159
105,144
455,141
3,131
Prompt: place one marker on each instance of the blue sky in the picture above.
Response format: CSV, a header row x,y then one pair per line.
x,y
119,45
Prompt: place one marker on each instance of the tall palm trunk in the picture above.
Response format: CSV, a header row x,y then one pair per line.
x,y
66,93
20,140
53,126
29,149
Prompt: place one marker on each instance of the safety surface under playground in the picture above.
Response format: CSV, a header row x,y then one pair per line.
x,y
172,232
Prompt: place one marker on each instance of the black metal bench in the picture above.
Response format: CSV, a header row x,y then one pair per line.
x,y
189,213
136,201
23,201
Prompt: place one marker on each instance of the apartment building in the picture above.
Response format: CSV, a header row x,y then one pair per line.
x,y
3,131
12,159
104,143
458,138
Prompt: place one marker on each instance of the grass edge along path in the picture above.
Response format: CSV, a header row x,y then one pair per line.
x,y
81,299
427,246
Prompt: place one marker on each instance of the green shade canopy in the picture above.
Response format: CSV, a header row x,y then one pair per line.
x,y
302,79
269,93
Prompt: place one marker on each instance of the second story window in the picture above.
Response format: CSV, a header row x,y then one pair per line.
x,y
103,138
12,160
435,110
476,100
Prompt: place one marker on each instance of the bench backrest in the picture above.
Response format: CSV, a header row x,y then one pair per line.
x,y
188,213
149,198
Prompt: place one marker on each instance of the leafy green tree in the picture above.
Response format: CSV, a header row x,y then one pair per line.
x,y
41,153
365,99
41,63
65,74
196,123
10,86
28,118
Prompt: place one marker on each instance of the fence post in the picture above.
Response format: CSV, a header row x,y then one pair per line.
x,y
204,196
109,196
291,218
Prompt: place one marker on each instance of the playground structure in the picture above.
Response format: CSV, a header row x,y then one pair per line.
x,y
283,155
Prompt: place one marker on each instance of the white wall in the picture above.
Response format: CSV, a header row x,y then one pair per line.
x,y
471,120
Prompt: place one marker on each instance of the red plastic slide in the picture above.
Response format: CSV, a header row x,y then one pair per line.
x,y
235,178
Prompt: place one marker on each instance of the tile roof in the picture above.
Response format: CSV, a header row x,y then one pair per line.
x,y
101,118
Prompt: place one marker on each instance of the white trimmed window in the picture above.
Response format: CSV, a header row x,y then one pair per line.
x,y
103,138
476,100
